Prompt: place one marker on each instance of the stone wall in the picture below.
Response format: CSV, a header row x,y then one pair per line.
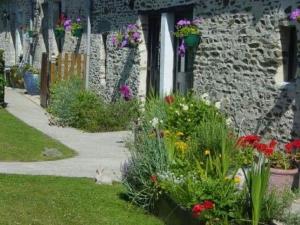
x,y
236,63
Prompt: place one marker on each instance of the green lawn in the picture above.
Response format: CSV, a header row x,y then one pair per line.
x,y
65,201
20,142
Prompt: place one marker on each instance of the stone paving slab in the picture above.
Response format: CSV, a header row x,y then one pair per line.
x,y
95,150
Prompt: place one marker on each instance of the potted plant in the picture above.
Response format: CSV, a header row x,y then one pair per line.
x,y
189,31
62,25
31,80
77,28
284,170
129,37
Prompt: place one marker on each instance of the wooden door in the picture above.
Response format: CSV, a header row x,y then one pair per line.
x,y
153,77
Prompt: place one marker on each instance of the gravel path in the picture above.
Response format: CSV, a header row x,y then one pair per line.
x,y
99,151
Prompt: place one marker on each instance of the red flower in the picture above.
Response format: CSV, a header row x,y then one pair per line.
x,y
197,209
296,143
208,204
248,140
169,99
267,149
289,147
153,178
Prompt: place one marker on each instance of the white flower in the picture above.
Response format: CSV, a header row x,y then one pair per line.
x,y
207,102
161,121
204,96
185,107
177,112
218,105
154,122
228,121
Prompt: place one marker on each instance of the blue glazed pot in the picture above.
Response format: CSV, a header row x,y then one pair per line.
x,y
32,83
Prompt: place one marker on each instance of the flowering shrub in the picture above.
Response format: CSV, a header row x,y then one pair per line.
x,y
131,36
295,15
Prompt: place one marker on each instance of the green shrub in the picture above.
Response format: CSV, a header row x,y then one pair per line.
x,y
74,106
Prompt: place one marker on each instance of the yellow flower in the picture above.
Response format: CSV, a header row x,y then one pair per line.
x,y
179,134
237,179
167,133
181,146
207,152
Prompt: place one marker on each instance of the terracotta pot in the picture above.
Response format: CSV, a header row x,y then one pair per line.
x,y
283,179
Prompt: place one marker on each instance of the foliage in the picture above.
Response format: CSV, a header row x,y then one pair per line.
x,y
79,108
16,77
20,142
51,200
76,28
186,27
280,160
29,68
257,183
131,36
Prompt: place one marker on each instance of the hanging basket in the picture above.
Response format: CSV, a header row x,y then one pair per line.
x,y
192,40
59,33
77,32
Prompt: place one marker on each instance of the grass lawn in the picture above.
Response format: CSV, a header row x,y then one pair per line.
x,y
20,142
65,201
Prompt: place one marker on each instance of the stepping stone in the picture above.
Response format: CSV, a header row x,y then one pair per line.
x,y
52,153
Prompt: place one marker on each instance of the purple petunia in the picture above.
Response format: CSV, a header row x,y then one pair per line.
x,y
136,36
126,92
78,19
181,49
68,24
114,40
124,43
197,21
183,22
295,14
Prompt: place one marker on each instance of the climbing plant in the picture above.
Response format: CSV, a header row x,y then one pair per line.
x,y
2,80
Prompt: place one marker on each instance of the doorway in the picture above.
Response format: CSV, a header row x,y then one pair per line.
x,y
153,68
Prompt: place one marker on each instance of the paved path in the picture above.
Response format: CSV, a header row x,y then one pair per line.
x,y
101,150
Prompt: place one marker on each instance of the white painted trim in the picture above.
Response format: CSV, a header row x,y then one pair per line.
x,y
167,54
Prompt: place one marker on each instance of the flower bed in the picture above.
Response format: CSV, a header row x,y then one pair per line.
x,y
185,151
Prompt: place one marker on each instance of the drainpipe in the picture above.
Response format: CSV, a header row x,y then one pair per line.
x,y
88,49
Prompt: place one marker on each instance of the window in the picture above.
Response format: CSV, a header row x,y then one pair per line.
x,y
289,52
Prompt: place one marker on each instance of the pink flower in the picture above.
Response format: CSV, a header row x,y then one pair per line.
x,y
208,204
183,22
295,15
125,92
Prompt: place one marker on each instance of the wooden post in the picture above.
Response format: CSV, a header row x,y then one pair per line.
x,y
66,66
44,93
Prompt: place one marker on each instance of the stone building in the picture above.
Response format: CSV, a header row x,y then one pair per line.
x,y
247,59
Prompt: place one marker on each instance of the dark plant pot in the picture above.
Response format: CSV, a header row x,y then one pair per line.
x,y
59,33
31,82
283,179
77,33
32,33
173,214
192,40
2,91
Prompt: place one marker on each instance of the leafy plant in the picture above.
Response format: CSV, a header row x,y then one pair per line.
x,y
29,68
187,27
77,28
257,182
76,107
